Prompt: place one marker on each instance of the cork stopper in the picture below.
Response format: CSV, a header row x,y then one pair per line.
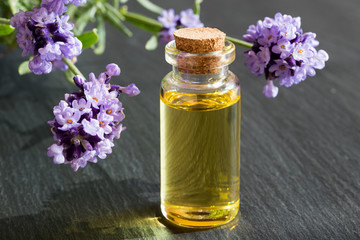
x,y
199,40
200,43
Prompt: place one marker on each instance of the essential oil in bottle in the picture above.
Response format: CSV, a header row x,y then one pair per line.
x,y
200,130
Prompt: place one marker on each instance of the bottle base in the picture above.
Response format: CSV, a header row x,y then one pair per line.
x,y
199,217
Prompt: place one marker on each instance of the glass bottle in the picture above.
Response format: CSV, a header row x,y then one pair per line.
x,y
200,138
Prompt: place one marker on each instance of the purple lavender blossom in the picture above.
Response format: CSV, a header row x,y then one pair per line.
x,y
60,65
47,36
189,19
257,61
282,70
58,6
88,156
56,151
103,148
282,51
114,109
93,127
269,36
116,132
39,66
283,47
112,70
68,119
270,90
168,18
131,90
167,35
171,22
87,122
81,106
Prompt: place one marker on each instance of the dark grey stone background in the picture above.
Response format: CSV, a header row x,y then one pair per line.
x,y
300,152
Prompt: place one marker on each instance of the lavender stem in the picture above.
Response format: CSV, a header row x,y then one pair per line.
x,y
239,42
72,67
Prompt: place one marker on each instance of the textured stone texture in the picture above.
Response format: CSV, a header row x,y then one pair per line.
x,y
300,152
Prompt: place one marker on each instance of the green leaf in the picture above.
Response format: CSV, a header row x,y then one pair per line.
x,y
100,47
9,40
150,6
83,20
142,21
152,43
6,29
24,68
72,9
15,6
197,6
114,11
88,39
116,21
116,4
4,21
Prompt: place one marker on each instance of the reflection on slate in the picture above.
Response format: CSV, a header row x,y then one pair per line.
x,y
300,152
83,212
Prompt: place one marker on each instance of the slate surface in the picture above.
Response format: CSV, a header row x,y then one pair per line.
x,y
300,152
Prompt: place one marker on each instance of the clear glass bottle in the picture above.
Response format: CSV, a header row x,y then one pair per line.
x,y
200,138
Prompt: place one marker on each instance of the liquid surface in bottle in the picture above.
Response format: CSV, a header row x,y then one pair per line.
x,y
200,158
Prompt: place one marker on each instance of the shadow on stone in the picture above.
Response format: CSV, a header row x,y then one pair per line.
x,y
102,209
95,210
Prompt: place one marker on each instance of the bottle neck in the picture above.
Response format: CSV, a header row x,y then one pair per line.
x,y
200,78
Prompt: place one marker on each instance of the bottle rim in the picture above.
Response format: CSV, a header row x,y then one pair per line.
x,y
191,61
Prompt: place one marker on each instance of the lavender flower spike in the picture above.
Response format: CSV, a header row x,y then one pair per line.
x,y
168,18
58,6
171,22
47,36
282,51
87,122
167,35
189,19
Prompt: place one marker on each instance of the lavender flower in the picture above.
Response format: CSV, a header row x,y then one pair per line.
x,y
270,90
168,18
56,151
58,6
47,36
171,22
282,51
87,122
167,35
189,19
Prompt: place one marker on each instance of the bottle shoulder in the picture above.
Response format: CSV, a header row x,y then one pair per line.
x,y
192,96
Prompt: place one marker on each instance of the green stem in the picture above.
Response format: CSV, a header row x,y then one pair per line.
x,y
4,21
150,6
72,67
142,21
239,42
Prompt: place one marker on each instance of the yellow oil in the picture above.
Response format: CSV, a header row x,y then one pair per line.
x,y
200,158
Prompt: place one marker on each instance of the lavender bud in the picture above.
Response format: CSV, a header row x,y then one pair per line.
x,y
79,81
131,90
113,70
